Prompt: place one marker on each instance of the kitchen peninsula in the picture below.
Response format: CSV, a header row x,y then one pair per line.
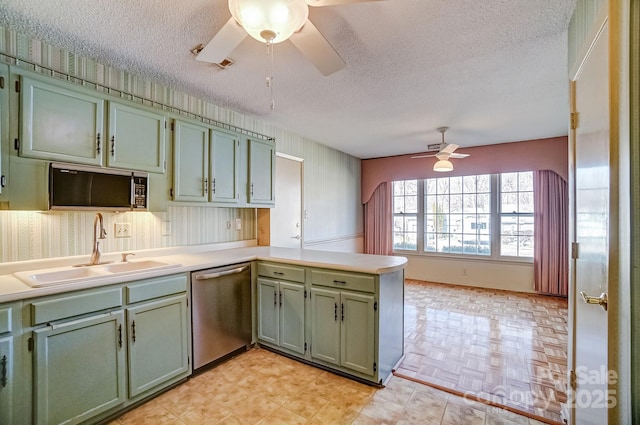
x,y
132,327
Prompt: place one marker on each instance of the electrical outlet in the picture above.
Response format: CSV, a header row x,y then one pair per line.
x,y
122,230
166,228
228,225
238,224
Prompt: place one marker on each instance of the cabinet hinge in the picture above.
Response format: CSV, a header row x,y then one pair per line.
x,y
573,380
375,366
30,344
172,126
574,120
3,181
305,347
574,250
17,86
1,82
305,295
375,306
171,192
16,144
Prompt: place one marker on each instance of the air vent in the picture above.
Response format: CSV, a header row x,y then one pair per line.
x,y
434,147
226,63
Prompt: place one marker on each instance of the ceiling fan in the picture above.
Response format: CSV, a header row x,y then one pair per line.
x,y
274,21
445,152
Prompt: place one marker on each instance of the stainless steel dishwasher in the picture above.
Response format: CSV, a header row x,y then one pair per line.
x,y
221,312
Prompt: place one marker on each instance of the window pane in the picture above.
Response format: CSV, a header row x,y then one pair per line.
x,y
430,205
509,203
509,246
442,204
430,242
525,181
455,223
470,203
411,204
484,224
483,201
398,188
398,204
509,182
442,242
455,185
525,202
411,187
430,186
455,203
469,184
484,183
443,185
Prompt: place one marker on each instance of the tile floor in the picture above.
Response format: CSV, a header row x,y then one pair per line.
x,y
261,387
496,344
510,348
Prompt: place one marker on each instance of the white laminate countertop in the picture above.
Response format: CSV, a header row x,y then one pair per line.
x,y
191,259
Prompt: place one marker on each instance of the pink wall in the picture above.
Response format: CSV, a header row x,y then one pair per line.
x,y
531,155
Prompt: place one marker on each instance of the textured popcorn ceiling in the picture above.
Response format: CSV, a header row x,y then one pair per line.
x,y
493,70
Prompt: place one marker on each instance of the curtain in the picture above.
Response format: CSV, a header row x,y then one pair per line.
x,y
378,219
551,226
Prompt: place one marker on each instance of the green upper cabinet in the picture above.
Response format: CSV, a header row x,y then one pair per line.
x,y
262,166
224,167
221,167
79,369
190,162
136,138
59,123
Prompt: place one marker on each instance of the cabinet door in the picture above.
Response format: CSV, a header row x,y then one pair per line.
x,y
325,325
190,159
158,344
262,167
60,124
6,381
357,336
225,166
79,369
136,138
268,311
291,301
4,126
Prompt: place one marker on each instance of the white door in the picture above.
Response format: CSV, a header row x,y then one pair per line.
x,y
286,216
591,218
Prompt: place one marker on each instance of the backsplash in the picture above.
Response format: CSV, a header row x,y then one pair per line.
x,y
28,235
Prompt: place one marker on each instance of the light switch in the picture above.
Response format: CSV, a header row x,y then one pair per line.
x,y
238,224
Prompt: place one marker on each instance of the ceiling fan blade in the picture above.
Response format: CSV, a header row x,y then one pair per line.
x,y
223,43
458,155
423,156
317,49
318,3
450,148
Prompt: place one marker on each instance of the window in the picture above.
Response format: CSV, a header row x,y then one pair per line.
x,y
516,214
484,215
405,215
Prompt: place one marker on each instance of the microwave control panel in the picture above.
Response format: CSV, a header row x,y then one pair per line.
x,y
139,192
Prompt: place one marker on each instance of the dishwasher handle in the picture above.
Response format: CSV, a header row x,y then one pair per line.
x,y
206,276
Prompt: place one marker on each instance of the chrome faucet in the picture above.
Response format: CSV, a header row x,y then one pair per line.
x,y
95,254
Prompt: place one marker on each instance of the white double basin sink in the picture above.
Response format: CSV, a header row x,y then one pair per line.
x,y
74,274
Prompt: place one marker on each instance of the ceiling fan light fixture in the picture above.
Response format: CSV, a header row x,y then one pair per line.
x,y
264,18
443,166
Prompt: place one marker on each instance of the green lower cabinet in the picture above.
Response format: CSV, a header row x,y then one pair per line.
x,y
158,347
7,412
281,314
325,325
343,329
79,369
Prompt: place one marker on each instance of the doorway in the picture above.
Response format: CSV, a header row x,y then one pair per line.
x,y
286,225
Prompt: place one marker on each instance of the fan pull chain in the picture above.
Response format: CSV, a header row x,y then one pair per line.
x,y
270,73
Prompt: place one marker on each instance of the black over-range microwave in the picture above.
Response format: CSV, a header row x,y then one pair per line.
x,y
79,187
